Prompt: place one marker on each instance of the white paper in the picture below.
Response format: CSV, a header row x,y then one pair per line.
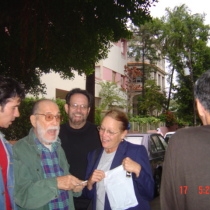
x,y
119,189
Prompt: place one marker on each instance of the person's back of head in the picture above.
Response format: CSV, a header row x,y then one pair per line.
x,y
202,96
202,90
10,88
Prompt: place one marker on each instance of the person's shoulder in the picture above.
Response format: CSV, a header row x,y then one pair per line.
x,y
92,125
21,142
191,131
132,146
64,125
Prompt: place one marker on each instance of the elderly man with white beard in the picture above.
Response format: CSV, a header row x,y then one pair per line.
x,y
42,179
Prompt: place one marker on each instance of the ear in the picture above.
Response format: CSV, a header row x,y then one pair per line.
x,y
88,110
199,107
33,120
201,112
124,134
66,107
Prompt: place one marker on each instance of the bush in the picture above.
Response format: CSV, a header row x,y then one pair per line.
x,y
22,124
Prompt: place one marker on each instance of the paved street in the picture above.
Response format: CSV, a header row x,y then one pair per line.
x,y
155,204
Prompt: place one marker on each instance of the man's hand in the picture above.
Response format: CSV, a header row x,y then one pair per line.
x,y
70,182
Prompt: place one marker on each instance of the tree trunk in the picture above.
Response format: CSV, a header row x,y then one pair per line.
x,y
170,87
90,87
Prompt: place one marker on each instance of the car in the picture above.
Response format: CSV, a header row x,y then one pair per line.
x,y
168,136
156,147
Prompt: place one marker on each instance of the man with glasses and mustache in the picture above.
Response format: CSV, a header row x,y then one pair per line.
x,y
41,170
79,137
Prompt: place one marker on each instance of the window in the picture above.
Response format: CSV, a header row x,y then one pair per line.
x,y
158,143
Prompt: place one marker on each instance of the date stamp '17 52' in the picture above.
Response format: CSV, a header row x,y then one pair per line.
x,y
201,190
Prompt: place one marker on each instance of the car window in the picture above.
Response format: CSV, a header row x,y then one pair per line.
x,y
163,141
135,139
153,147
158,143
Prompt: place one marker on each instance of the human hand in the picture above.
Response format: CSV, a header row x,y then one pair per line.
x,y
79,187
69,182
96,176
131,166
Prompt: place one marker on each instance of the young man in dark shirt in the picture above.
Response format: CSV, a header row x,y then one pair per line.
x,y
78,136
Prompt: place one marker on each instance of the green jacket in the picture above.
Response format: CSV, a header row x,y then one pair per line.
x,y
32,190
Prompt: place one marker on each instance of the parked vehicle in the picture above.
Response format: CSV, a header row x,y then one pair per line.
x,y
156,147
168,136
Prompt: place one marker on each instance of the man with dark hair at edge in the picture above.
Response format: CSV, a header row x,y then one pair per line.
x,y
11,94
78,136
186,171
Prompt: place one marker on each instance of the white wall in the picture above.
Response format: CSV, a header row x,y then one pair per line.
x,y
53,81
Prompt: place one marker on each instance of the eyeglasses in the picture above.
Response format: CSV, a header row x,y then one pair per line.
x,y
50,117
75,106
110,133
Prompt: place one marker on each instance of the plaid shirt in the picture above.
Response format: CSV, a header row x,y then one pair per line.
x,y
51,168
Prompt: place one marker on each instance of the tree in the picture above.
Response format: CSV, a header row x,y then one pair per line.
x,y
39,36
153,100
132,74
185,39
111,95
145,48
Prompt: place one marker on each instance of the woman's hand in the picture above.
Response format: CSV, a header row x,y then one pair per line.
x,y
96,176
131,166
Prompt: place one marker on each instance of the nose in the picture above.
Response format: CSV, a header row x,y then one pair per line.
x,y
78,108
104,133
17,113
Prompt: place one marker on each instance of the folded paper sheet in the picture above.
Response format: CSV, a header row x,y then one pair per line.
x,y
119,189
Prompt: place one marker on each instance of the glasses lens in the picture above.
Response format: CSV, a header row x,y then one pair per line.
x,y
49,117
58,117
75,106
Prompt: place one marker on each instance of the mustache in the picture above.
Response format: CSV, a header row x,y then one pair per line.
x,y
53,128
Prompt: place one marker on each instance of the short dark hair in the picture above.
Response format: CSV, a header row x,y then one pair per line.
x,y
10,88
79,91
119,116
202,90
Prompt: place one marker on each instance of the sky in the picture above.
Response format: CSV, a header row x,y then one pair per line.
x,y
201,6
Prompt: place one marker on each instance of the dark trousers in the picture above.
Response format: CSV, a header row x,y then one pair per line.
x,y
82,204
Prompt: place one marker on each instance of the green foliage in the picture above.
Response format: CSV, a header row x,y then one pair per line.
x,y
40,36
21,126
61,104
185,39
98,116
145,120
111,95
145,44
153,100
